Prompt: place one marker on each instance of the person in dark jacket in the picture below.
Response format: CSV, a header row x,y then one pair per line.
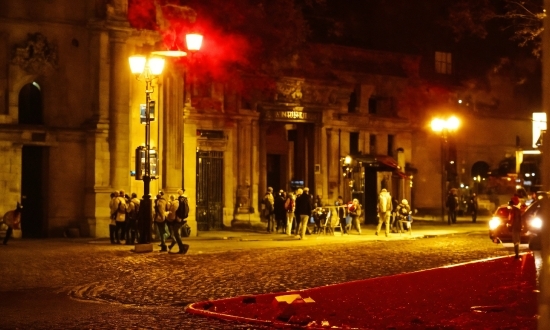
x,y
452,206
303,211
473,206
280,211
514,218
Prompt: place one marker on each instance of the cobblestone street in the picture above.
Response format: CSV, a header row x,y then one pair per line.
x,y
78,284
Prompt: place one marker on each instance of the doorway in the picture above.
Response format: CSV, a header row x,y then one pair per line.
x,y
33,217
209,190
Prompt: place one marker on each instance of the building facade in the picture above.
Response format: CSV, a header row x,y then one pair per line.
x,y
70,125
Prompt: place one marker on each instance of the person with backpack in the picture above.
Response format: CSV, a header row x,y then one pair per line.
x,y
182,212
385,207
290,207
160,220
120,217
131,220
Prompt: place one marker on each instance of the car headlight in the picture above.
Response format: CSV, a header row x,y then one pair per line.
x,y
494,223
536,223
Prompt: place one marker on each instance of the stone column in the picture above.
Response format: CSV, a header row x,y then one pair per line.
x,y
119,114
262,158
172,133
98,189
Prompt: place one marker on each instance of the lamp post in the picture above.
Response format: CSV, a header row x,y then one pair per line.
x,y
444,127
148,69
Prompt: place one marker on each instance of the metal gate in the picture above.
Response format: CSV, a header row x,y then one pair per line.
x,y
209,190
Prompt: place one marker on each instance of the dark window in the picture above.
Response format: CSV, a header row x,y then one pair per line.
x,y
30,105
352,104
372,144
246,103
372,106
390,144
354,143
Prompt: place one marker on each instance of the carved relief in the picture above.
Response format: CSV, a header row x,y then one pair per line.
x,y
36,55
289,91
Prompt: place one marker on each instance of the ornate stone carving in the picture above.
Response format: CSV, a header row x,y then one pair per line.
x,y
289,91
36,55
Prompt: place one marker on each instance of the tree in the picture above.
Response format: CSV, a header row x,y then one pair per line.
x,y
241,36
523,18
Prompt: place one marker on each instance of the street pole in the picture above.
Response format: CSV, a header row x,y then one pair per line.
x,y
145,209
443,177
544,276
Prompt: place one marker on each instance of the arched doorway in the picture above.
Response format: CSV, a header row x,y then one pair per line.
x,y
30,105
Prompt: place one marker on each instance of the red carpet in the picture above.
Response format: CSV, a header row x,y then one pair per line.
x,y
492,294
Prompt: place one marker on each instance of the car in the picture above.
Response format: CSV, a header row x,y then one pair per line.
x,y
534,222
499,225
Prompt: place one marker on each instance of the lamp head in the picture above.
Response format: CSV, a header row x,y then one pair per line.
x,y
193,41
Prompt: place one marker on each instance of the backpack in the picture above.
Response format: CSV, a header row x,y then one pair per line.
x,y
185,230
121,207
289,205
183,209
135,210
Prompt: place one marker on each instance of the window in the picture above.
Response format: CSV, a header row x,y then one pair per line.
x,y
443,63
372,144
30,105
352,104
354,143
390,144
372,106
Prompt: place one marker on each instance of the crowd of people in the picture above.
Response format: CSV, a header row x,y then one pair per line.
x,y
291,212
169,217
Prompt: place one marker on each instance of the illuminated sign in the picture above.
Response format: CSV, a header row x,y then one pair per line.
x,y
294,115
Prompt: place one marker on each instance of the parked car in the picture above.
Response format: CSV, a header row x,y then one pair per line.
x,y
534,222
499,225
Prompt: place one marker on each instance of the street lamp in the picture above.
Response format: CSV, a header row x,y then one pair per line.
x,y
148,69
444,127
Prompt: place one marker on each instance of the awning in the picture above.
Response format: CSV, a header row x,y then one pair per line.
x,y
382,162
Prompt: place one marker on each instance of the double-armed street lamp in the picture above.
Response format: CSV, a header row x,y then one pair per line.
x,y
149,68
444,127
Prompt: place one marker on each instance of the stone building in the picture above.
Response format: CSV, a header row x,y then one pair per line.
x,y
70,125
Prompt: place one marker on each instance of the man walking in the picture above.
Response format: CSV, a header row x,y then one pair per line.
x,y
384,211
160,220
303,211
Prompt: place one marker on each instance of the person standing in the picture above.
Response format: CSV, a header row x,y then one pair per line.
x,y
113,206
120,218
384,211
160,220
355,211
132,218
303,211
268,211
514,218
280,211
182,211
452,206
473,206
12,219
290,207
341,209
